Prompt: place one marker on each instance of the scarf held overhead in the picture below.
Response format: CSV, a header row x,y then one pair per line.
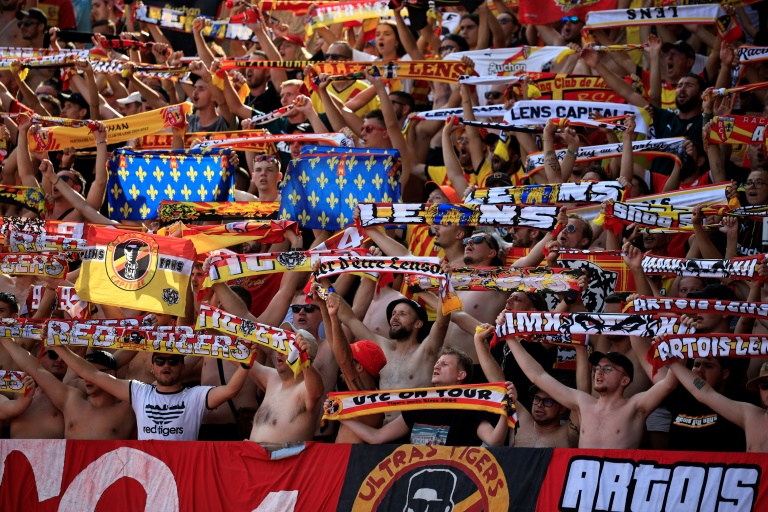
x,y
490,397
537,217
681,306
738,130
29,198
584,192
44,265
680,348
742,268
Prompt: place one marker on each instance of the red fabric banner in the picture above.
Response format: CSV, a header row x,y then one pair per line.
x,y
534,12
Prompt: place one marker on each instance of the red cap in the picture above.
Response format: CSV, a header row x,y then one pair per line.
x,y
449,192
370,356
294,39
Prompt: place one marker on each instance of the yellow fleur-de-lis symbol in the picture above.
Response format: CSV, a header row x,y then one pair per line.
x,y
304,179
389,162
284,214
110,210
369,163
147,158
215,158
202,192
192,173
359,181
332,200
323,218
134,192
322,180
377,181
125,210
342,220
169,192
152,192
181,159
123,172
313,199
208,173
224,174
144,211
303,218
141,174
313,162
341,181
386,198
370,199
158,174
116,191
332,163
351,201
175,174
351,163
165,158
186,192
392,181
199,158
215,192
294,197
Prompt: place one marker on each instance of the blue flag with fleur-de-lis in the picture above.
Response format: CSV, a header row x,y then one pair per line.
x,y
323,185
139,180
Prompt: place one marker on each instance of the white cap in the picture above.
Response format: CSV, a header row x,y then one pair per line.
x,y
134,97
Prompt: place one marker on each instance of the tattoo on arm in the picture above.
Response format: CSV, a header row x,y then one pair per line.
x,y
698,383
573,426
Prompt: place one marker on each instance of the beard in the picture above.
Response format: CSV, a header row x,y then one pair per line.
x,y
690,105
399,333
469,260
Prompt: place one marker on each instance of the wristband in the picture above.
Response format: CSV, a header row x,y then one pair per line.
x,y
570,152
245,366
56,182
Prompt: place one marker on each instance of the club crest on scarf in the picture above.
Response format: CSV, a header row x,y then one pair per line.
x,y
131,261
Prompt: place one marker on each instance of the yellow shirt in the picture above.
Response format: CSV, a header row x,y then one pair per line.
x,y
439,175
347,94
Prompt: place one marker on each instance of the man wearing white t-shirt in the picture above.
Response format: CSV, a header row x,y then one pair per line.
x,y
167,411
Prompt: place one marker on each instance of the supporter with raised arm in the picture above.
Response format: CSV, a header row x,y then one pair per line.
x,y
167,411
42,419
93,414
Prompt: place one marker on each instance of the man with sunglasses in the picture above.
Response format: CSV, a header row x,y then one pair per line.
x,y
570,32
609,419
346,90
32,24
167,411
89,414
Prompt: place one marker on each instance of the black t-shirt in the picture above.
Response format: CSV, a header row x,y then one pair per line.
x,y
447,427
668,124
696,427
267,101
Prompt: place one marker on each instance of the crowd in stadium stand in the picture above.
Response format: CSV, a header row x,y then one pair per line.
x,y
595,391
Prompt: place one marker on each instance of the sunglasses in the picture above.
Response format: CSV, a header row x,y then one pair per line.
x,y
447,49
504,21
27,23
572,19
265,158
476,239
53,356
65,178
367,129
547,402
570,228
336,56
493,95
308,308
172,361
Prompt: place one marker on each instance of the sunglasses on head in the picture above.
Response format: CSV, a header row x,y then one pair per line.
x,y
572,19
367,129
308,308
493,95
172,361
265,158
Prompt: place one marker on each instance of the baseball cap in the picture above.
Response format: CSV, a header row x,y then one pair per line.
x,y
752,384
134,97
76,98
498,179
102,358
680,46
370,356
449,192
617,359
34,13
293,39
714,291
420,312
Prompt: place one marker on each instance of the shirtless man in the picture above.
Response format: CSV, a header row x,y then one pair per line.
x,y
10,32
167,411
42,420
609,420
94,414
9,308
753,419
408,361
291,404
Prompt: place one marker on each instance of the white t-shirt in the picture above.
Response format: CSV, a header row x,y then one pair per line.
x,y
168,416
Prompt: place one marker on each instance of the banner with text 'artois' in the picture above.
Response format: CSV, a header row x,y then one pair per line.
x,y
322,187
714,14
537,217
524,323
12,382
121,129
43,265
212,237
282,342
741,268
136,270
680,306
28,198
509,61
584,192
175,211
138,181
680,348
171,340
490,397
669,148
738,130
